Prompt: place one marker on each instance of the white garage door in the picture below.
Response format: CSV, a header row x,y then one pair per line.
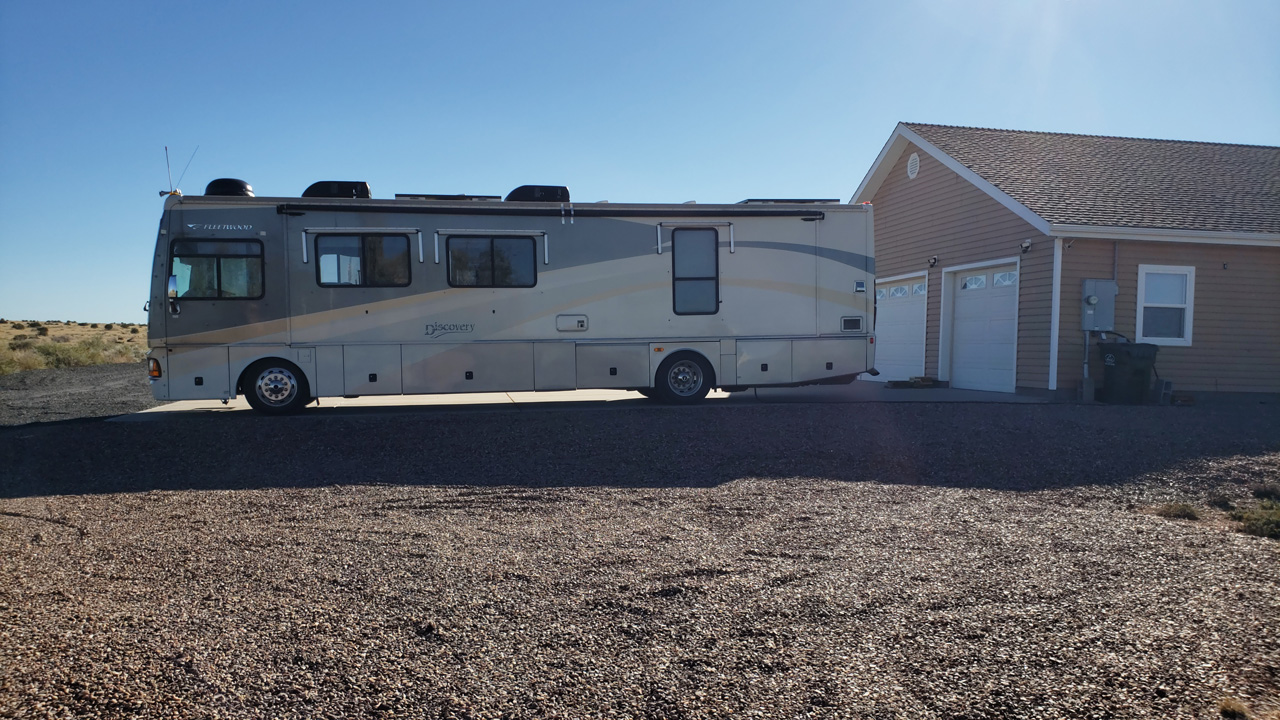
x,y
985,329
900,309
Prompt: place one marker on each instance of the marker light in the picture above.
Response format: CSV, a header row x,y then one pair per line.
x,y
154,369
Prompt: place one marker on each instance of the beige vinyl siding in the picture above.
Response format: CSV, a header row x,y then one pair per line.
x,y
1081,259
939,213
1235,337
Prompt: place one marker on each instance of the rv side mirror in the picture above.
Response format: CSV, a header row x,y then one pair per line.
x,y
174,310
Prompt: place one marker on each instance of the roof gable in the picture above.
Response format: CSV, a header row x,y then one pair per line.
x,y
1084,180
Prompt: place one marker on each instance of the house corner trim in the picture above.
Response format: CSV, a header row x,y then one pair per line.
x,y
1055,313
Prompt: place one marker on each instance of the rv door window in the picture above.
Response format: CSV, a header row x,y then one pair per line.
x,y
492,262
695,271
213,269
362,260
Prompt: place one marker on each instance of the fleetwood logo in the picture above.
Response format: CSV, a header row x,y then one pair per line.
x,y
435,330
202,226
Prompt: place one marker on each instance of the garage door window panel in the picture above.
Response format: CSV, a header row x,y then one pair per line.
x,y
1165,304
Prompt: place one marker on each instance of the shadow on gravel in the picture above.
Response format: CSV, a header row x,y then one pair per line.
x,y
1011,447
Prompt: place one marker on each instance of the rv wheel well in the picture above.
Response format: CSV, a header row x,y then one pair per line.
x,y
684,377
249,369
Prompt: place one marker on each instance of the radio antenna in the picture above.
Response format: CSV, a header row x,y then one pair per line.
x,y
184,170
169,170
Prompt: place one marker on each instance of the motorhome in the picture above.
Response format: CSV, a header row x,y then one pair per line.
x,y
338,294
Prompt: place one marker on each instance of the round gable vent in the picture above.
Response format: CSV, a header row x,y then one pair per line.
x,y
913,166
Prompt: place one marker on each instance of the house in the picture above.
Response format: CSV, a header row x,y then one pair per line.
x,y
984,239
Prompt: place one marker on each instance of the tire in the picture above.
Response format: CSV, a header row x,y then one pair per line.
x,y
684,378
275,387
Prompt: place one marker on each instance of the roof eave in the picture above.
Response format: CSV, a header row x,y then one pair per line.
x,y
884,162
1210,237
892,151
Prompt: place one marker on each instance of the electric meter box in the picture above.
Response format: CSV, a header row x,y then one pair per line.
x,y
1098,305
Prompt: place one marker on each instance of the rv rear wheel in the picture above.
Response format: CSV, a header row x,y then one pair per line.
x,y
684,377
275,387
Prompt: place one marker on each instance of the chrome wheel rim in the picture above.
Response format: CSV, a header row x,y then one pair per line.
x,y
685,378
276,386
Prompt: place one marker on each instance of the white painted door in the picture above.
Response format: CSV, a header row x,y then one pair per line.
x,y
985,329
900,313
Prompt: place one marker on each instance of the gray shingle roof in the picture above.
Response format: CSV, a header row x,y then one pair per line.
x,y
1123,182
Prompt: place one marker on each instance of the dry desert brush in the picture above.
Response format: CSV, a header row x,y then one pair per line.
x,y
1178,511
26,355
1263,520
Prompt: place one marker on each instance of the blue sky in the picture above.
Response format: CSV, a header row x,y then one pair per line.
x,y
631,102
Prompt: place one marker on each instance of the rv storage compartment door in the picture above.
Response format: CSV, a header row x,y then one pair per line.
x,y
371,369
613,366
809,358
555,366
472,367
204,365
764,362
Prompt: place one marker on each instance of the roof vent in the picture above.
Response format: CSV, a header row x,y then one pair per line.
x,y
913,166
338,189
229,187
539,193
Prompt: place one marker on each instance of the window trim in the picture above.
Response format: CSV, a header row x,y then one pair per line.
x,y
491,237
716,278
1189,306
361,236
261,256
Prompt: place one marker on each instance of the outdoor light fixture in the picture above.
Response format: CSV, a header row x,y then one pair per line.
x,y
933,261
1026,245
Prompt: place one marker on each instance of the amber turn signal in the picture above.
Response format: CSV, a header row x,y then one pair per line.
x,y
153,369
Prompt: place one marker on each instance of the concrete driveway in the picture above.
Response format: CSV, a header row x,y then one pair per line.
x,y
856,392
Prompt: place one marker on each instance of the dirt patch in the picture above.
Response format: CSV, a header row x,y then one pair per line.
x,y
73,393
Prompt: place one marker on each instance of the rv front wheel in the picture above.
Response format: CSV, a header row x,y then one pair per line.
x,y
275,387
684,378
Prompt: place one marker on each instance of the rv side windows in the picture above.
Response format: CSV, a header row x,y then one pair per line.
x,y
362,260
217,269
492,262
695,271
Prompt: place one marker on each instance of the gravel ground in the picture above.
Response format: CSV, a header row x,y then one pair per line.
x,y
731,560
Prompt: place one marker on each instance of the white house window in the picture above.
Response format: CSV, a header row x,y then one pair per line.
x,y
974,282
918,289
898,291
1166,295
880,292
